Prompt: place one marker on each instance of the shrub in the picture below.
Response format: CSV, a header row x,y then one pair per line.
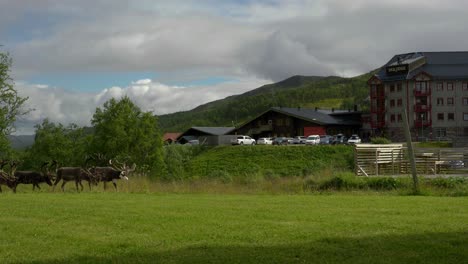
x,y
220,175
383,183
447,183
342,182
380,140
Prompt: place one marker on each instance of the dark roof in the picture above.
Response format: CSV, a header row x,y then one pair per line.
x,y
322,117
215,131
439,65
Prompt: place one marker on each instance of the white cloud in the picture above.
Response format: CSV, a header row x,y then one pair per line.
x,y
66,107
182,40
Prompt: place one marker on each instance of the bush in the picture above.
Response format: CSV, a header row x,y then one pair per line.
x,y
380,140
446,183
342,182
386,183
221,175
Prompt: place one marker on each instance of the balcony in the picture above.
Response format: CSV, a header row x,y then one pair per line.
x,y
422,108
426,92
422,123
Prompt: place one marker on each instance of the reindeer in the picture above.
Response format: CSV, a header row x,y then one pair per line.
x,y
32,177
76,174
112,173
5,178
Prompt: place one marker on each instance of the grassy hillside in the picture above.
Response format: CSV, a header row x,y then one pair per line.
x,y
293,92
146,228
270,161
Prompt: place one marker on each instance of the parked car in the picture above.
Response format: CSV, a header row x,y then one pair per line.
x,y
243,140
264,141
339,139
354,139
456,164
193,142
299,140
326,139
280,141
313,140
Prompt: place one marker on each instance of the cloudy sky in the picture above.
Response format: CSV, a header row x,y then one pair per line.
x,y
70,56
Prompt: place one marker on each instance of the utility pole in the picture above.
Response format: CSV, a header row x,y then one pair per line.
x,y
409,146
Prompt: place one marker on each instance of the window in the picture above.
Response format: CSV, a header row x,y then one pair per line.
x,y
465,86
440,86
465,100
449,86
399,87
440,116
440,101
465,116
392,103
392,88
392,118
451,117
450,101
421,87
400,119
399,102
440,132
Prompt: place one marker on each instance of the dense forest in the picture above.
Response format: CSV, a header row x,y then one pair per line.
x,y
297,91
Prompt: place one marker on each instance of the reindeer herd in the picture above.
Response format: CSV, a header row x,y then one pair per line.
x,y
52,174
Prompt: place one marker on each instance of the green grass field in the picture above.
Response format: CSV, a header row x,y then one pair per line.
x,y
208,228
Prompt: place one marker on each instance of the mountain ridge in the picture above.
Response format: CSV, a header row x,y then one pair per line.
x,y
295,91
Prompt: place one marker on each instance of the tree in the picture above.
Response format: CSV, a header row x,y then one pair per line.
x,y
10,102
123,131
66,145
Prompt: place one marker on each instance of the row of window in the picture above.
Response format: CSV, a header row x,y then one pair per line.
x,y
449,86
440,101
424,85
450,116
451,101
399,102
440,117
398,86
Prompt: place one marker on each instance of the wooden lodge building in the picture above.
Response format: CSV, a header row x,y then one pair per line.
x,y
290,122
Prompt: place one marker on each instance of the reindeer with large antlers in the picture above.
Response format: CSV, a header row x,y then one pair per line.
x,y
112,173
76,174
32,177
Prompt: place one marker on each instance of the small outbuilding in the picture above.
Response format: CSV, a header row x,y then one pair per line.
x,y
207,135
170,138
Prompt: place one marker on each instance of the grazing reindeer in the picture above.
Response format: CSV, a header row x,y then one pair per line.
x,y
112,174
76,174
5,178
32,177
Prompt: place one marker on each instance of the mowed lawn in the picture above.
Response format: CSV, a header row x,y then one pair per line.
x,y
197,228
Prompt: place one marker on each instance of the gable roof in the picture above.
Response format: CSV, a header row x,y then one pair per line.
x,y
215,131
321,117
439,65
171,136
210,131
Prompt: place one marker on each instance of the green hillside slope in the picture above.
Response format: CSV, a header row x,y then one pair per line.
x,y
296,91
270,160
